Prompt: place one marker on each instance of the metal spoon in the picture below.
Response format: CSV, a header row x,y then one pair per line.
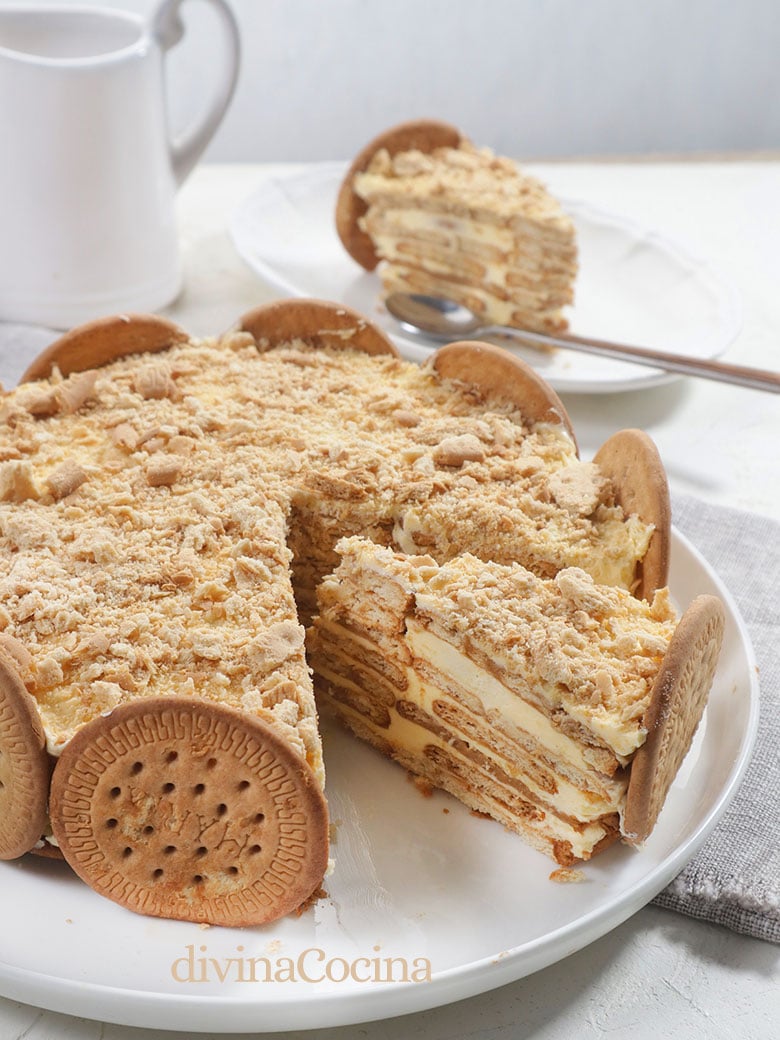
x,y
445,320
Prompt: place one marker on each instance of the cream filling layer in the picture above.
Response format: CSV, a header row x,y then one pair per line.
x,y
621,738
413,220
498,247
495,696
568,800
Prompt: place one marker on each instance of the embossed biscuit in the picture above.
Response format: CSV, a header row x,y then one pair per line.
x,y
106,339
498,372
422,135
675,710
631,460
318,323
24,765
184,809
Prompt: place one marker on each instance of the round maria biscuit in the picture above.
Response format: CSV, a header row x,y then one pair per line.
x,y
106,339
24,766
421,135
631,460
497,372
319,323
184,809
675,709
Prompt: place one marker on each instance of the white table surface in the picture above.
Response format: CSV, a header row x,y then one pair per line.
x,y
659,974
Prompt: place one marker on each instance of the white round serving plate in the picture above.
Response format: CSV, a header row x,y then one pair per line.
x,y
416,879
634,285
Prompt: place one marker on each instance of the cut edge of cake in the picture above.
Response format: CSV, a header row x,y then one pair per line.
x,y
560,708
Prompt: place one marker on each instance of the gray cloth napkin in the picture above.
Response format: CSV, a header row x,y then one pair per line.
x,y
735,879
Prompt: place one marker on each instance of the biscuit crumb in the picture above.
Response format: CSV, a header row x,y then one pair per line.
x,y
404,417
124,436
423,786
317,894
154,382
76,391
567,876
163,472
65,479
454,451
17,482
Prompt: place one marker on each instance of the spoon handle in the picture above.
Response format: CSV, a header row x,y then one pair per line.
x,y
721,371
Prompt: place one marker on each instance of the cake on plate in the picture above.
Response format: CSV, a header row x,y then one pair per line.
x,y
172,511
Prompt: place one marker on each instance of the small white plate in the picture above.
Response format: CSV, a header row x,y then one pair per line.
x,y
634,285
414,878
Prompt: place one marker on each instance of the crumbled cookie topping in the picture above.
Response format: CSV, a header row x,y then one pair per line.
x,y
147,509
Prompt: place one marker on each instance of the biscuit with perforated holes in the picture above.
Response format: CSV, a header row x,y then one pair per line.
x,y
183,809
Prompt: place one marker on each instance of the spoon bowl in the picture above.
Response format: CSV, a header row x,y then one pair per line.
x,y
436,316
444,320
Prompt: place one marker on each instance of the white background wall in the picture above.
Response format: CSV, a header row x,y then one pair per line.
x,y
531,78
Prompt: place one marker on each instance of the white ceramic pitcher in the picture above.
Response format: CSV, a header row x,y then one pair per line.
x,y
88,171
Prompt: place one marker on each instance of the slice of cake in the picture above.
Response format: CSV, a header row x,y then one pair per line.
x,y
525,697
443,218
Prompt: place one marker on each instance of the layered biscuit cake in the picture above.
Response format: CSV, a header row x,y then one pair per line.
x,y
169,509
443,218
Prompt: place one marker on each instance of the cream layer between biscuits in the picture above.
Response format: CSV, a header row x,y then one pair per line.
x,y
490,251
606,794
410,743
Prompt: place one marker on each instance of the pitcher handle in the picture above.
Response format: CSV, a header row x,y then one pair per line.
x,y
167,28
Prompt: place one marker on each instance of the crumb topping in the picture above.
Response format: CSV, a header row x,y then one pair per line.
x,y
592,651
466,176
146,507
